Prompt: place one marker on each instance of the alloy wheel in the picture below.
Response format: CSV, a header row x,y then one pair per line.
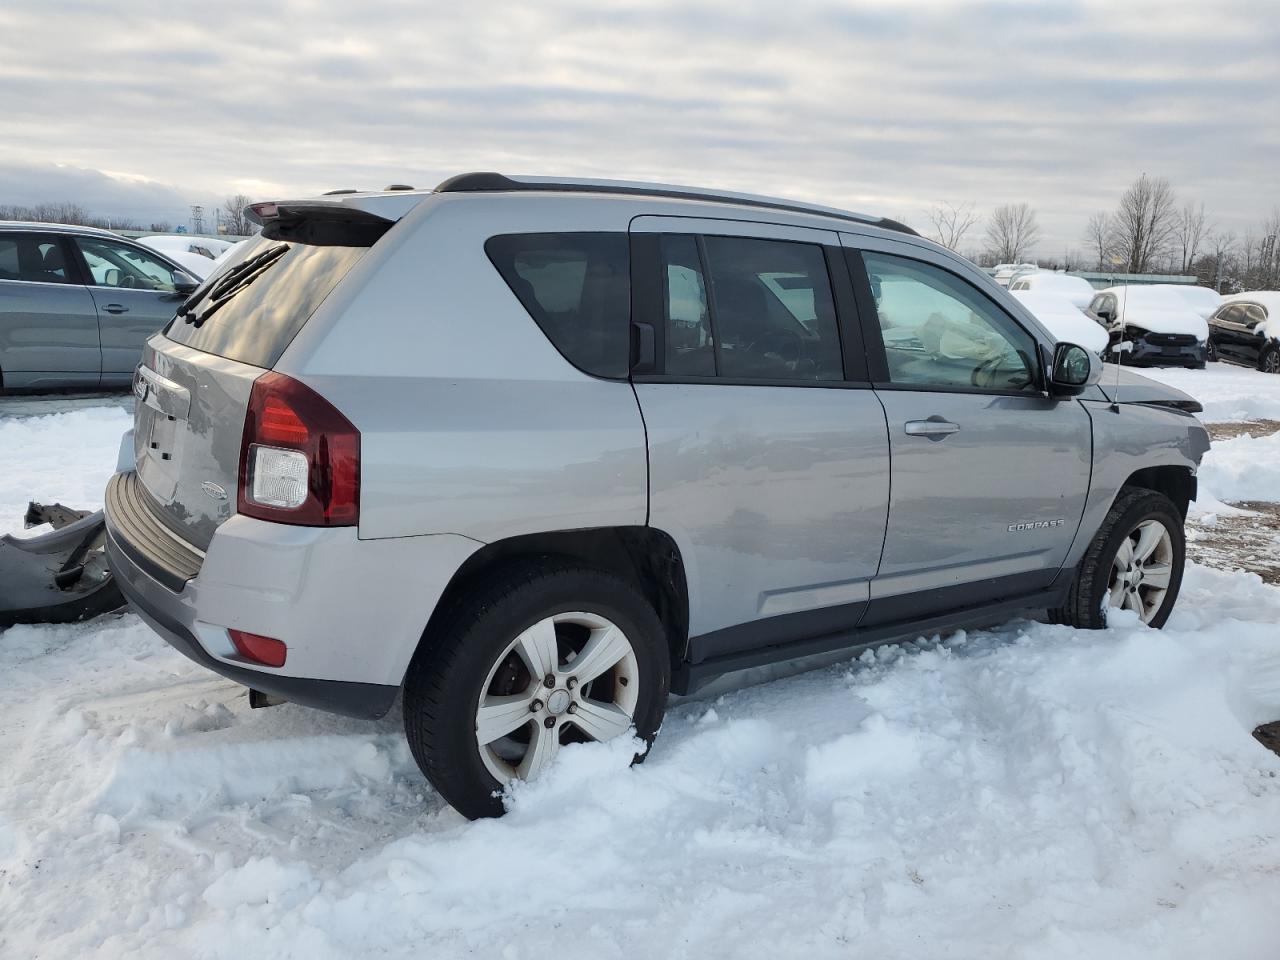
x,y
1271,362
570,677
1141,570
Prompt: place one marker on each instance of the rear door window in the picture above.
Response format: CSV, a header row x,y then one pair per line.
x,y
744,308
252,311
577,288
35,258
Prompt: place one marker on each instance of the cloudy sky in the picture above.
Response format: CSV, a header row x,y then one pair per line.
x,y
138,107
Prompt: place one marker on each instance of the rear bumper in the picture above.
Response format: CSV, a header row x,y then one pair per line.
x,y
350,611
165,618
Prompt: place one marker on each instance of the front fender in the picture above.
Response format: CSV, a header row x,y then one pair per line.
x,y
1128,438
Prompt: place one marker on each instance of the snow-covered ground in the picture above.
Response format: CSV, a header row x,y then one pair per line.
x,y
1227,392
1030,791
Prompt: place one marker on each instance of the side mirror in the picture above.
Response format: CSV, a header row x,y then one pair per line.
x,y
1073,370
184,283
1106,316
112,277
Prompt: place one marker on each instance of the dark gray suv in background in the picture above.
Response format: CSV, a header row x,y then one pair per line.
x,y
538,452
77,303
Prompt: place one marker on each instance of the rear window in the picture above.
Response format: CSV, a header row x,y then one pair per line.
x,y
258,314
577,288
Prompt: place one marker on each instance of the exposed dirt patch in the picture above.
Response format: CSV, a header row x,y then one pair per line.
x,y
1240,543
1242,428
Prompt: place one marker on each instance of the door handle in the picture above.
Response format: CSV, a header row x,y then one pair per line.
x,y
935,428
115,308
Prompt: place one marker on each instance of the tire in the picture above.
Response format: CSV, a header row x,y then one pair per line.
x,y
1269,359
484,648
1211,351
1097,585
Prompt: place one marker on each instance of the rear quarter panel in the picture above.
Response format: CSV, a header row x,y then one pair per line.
x,y
471,421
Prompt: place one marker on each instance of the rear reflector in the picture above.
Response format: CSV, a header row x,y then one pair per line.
x,y
267,651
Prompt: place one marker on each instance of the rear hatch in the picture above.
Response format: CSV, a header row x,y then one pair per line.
x,y
196,375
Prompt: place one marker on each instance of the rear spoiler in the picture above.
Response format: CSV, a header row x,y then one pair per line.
x,y
319,222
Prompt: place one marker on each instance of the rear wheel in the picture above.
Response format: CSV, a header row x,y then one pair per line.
x,y
540,658
1135,562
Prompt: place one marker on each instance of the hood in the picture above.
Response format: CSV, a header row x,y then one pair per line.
x,y
1135,388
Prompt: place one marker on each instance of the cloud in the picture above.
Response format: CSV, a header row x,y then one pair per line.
x,y
886,107
100,193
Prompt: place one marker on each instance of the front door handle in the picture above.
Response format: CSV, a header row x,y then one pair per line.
x,y
935,428
116,308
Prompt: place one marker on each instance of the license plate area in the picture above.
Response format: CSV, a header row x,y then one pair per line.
x,y
159,431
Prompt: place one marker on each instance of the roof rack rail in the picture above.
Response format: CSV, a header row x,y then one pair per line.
x,y
497,182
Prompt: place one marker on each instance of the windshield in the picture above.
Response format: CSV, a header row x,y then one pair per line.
x,y
252,311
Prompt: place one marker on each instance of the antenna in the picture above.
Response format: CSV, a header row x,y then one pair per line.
x,y
1124,301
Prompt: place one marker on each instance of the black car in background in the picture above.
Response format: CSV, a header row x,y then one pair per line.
x,y
1246,329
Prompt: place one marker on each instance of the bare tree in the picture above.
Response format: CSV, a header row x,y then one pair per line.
x,y
1188,232
1097,235
1012,232
65,211
951,222
1144,224
1222,247
1269,251
233,216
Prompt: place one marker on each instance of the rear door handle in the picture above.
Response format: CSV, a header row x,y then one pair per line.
x,y
116,308
935,428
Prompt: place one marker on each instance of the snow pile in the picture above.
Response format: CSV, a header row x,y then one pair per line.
x,y
1227,392
1243,468
1077,290
1063,319
67,457
1034,790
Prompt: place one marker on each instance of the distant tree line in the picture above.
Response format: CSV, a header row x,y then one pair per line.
x,y
230,215
1149,231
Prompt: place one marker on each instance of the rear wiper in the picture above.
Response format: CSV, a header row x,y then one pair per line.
x,y
227,287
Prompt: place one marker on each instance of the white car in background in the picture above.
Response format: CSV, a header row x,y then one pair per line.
x,y
1061,317
1151,325
1205,301
197,265
169,243
1003,273
1078,290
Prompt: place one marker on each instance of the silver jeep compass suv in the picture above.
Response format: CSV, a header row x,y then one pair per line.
x,y
539,453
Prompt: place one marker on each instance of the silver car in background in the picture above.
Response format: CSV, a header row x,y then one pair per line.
x,y
76,305
537,453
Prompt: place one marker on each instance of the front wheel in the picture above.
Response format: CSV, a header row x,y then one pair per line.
x,y
541,658
1135,563
1269,362
1211,351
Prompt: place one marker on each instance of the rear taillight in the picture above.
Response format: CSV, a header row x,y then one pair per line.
x,y
299,458
267,651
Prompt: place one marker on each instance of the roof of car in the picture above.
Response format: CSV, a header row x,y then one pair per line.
x,y
396,201
1268,298
57,228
